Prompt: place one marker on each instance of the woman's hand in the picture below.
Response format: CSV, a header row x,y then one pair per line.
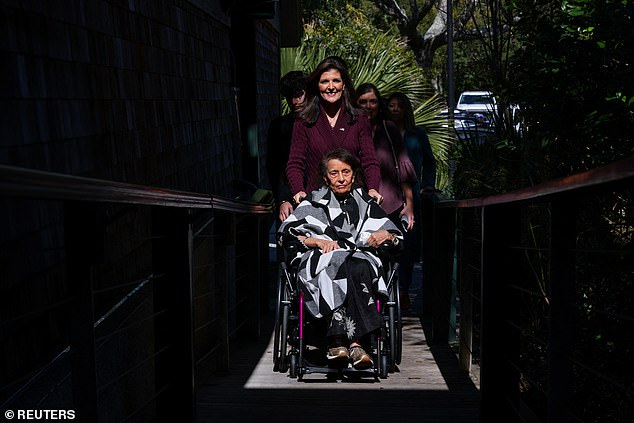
x,y
378,197
324,245
376,239
408,211
297,198
328,246
408,208
286,209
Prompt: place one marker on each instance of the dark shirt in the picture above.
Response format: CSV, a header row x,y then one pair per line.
x,y
420,153
277,150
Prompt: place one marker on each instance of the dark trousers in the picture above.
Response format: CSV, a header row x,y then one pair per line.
x,y
358,316
412,243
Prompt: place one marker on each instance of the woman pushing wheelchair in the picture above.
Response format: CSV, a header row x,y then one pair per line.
x,y
337,230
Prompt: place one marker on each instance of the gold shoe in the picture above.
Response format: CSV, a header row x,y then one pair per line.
x,y
337,354
360,359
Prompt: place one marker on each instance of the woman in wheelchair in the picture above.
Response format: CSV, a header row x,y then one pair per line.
x,y
337,230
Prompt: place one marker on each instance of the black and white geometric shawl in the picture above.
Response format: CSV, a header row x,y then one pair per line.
x,y
323,276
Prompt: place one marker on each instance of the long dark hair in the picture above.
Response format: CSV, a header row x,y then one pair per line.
x,y
311,110
293,83
406,104
367,87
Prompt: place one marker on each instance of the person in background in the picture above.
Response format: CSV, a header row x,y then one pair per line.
x,y
293,89
397,171
419,150
329,120
340,276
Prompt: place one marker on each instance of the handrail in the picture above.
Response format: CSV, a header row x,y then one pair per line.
x,y
540,268
200,292
613,172
22,182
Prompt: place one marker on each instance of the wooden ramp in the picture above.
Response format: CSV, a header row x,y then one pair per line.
x,y
429,387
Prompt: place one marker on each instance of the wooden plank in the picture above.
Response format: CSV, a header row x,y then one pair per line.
x,y
429,386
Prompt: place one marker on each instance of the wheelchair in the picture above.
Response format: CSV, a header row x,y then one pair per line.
x,y
299,339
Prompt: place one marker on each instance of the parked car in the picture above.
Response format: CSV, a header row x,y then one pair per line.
x,y
476,102
474,117
473,126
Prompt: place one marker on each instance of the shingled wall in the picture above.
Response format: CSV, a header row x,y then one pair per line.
x,y
135,91
139,91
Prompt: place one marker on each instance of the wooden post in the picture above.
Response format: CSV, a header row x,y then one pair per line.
x,y
254,279
442,274
499,379
562,294
465,274
224,245
83,240
173,302
428,232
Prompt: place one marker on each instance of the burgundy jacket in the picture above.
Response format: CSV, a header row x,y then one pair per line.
x,y
310,143
390,155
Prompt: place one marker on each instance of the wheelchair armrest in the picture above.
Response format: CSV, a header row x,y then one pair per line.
x,y
389,251
292,248
386,251
387,246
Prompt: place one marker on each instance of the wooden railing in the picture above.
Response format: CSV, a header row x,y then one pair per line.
x,y
543,283
119,300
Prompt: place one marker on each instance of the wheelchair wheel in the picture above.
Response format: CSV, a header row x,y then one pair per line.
x,y
383,366
283,339
292,358
394,329
281,324
391,338
276,338
398,327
